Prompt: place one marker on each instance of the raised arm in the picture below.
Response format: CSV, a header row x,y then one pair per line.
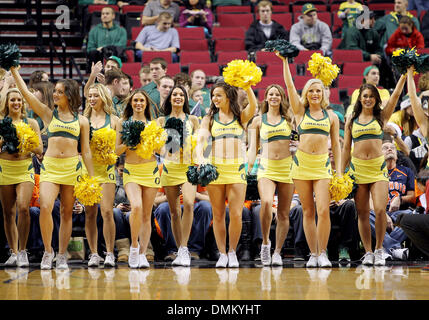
x,y
393,100
294,97
419,114
38,107
253,138
95,70
84,143
249,111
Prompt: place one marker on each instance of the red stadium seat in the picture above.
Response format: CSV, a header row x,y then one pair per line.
x,y
210,69
263,57
133,9
194,45
335,43
135,31
341,56
98,7
280,8
300,81
228,33
389,6
223,57
423,51
173,69
233,9
187,57
149,55
349,81
334,96
131,68
191,33
235,20
276,70
285,19
326,17
266,81
136,82
130,55
355,68
229,45
305,56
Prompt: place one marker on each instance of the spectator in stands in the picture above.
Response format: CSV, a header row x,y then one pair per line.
x,y
184,80
419,5
388,24
425,28
153,9
198,78
159,37
348,12
42,91
115,80
310,33
196,14
264,29
158,69
371,75
401,201
144,75
106,38
406,36
404,118
37,76
112,62
166,83
88,2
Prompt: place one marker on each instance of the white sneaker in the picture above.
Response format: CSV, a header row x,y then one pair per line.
x,y
186,257
323,260
312,261
22,259
368,259
11,262
178,260
232,260
61,262
266,254
222,262
143,263
134,257
277,260
109,261
400,254
379,259
46,263
94,260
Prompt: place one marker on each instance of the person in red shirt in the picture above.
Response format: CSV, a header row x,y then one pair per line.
x,y
406,36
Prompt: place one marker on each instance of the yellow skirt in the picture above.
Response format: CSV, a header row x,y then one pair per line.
x,y
102,172
173,174
369,171
276,170
306,166
144,174
61,170
16,171
230,171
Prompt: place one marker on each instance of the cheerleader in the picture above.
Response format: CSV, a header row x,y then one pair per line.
x,y
17,182
311,169
141,180
224,125
99,111
272,132
365,130
175,165
61,165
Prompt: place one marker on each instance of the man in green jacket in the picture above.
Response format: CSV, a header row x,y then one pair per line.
x,y
106,38
387,25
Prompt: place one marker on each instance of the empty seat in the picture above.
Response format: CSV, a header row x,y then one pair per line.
x,y
149,55
233,9
187,57
304,56
135,31
136,81
98,7
132,9
340,56
235,20
223,57
131,68
263,57
229,45
280,8
355,68
285,19
210,69
191,33
334,96
228,33
336,42
349,81
389,6
325,17
300,81
276,70
194,45
266,81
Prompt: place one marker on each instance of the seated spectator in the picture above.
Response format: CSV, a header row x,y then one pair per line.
x,y
38,76
349,11
264,29
113,62
406,36
387,25
198,78
158,69
418,146
159,37
371,75
153,9
196,14
106,39
425,28
166,83
118,84
310,33
419,5
401,201
144,75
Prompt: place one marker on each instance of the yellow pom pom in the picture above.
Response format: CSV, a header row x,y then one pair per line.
x,y
88,190
103,146
340,188
242,74
322,68
28,138
190,145
152,138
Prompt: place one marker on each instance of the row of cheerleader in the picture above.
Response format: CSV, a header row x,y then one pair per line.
x,y
83,148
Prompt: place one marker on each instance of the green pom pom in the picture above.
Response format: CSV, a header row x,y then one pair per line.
x,y
176,132
207,174
404,60
192,175
9,55
284,47
422,63
252,192
10,137
131,132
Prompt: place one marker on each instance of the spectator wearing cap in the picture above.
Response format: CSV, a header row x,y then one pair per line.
x,y
105,38
406,36
113,62
153,9
264,29
349,11
388,24
310,33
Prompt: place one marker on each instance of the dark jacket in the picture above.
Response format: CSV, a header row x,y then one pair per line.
x,y
255,37
367,40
